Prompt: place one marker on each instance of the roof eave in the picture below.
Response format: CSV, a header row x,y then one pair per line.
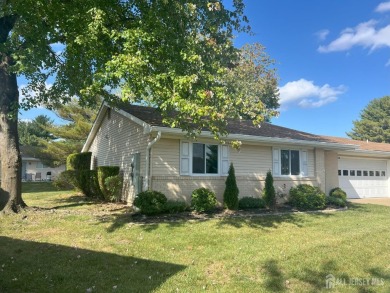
x,y
263,139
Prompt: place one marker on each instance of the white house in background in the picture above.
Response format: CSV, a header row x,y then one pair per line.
x,y
34,170
154,156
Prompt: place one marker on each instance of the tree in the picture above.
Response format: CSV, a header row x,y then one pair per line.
x,y
30,133
230,195
374,122
269,194
70,137
169,53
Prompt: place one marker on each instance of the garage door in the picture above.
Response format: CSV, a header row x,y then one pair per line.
x,y
361,178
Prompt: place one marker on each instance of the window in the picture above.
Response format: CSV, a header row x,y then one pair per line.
x,y
377,173
204,158
339,172
289,162
371,173
359,172
351,172
365,173
345,172
40,165
201,158
383,173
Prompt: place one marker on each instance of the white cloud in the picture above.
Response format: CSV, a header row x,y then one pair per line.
x,y
365,35
306,94
383,7
388,63
322,34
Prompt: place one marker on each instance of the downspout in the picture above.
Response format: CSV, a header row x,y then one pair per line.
x,y
147,161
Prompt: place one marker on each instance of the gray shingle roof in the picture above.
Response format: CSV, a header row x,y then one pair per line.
x,y
244,127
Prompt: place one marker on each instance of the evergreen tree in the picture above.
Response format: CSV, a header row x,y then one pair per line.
x,y
269,195
374,122
71,136
230,196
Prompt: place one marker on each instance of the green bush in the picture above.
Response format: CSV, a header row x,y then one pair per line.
x,y
172,206
203,200
65,180
103,172
269,194
251,203
113,185
335,201
230,195
339,193
150,202
307,197
83,180
87,183
79,161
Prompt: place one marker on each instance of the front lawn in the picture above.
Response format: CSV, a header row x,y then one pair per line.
x,y
70,244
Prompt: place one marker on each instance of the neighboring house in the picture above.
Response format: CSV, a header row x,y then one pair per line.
x,y
34,170
161,158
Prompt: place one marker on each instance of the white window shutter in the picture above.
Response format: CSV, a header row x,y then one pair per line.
x,y
276,161
225,159
304,163
185,158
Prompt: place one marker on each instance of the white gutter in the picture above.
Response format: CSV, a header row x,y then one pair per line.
x,y
147,167
253,138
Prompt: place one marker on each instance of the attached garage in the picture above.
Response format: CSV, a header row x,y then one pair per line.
x,y
363,177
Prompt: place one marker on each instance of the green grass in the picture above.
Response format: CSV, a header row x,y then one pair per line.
x,y
71,244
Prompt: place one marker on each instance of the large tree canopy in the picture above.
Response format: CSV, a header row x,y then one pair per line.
x,y
174,54
374,122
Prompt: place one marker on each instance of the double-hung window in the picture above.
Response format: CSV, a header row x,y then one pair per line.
x,y
287,162
203,158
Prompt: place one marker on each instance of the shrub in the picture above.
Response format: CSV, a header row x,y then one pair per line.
x,y
230,195
251,203
203,200
339,193
113,185
172,206
335,201
103,172
150,202
88,184
83,180
79,161
307,197
65,180
269,191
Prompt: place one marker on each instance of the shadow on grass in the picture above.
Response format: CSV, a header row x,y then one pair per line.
x,y
148,224
28,266
269,220
259,221
329,275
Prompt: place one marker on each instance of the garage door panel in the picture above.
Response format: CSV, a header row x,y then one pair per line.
x,y
373,182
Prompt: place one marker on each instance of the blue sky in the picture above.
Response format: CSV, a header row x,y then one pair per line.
x,y
333,58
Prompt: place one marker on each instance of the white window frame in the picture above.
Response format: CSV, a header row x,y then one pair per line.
x,y
277,163
186,159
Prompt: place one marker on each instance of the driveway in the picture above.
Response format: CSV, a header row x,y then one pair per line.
x,y
384,201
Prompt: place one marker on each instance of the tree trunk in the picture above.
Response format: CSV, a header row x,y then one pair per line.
x,y
10,193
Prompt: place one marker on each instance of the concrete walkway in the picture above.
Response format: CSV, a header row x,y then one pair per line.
x,y
384,201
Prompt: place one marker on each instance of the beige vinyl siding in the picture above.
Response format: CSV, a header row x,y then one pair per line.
x,y
117,139
166,157
251,160
251,164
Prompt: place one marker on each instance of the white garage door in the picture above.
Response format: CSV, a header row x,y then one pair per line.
x,y
361,178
